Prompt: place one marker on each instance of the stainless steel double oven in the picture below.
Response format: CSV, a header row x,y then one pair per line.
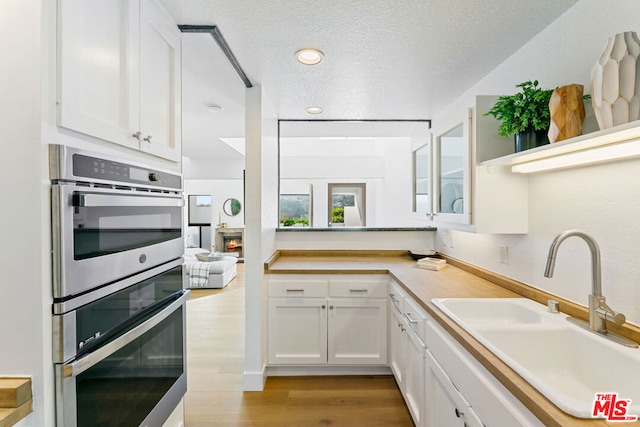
x,y
119,304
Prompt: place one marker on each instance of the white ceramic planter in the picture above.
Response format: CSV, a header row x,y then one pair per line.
x,y
615,81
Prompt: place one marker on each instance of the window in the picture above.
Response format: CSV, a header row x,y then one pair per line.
x,y
378,153
199,210
347,205
294,210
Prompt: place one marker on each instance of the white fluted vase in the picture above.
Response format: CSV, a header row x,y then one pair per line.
x,y
615,81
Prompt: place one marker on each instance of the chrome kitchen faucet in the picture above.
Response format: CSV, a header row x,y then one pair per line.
x,y
599,311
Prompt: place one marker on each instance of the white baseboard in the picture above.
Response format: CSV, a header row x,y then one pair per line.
x,y
285,371
254,381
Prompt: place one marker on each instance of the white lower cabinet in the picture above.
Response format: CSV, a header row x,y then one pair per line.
x,y
315,320
297,330
442,384
414,386
457,384
407,351
347,320
448,406
357,331
397,355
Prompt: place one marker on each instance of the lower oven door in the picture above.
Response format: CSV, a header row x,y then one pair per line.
x,y
135,380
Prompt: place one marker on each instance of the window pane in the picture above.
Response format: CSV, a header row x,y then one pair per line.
x,y
347,205
452,171
294,209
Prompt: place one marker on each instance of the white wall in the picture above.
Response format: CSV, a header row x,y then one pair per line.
x,y
212,169
261,221
25,323
600,200
416,241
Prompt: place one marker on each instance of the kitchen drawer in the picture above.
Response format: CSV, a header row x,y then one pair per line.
x,y
416,317
397,296
299,288
368,287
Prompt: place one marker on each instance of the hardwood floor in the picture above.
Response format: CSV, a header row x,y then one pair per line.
x,y
215,361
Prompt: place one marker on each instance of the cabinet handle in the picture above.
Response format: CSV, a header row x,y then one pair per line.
x,y
408,316
147,138
358,290
295,290
330,307
137,135
459,413
324,306
393,298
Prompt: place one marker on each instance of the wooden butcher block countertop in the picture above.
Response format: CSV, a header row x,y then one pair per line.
x,y
457,280
15,400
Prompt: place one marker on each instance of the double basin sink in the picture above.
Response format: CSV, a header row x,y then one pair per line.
x,y
565,363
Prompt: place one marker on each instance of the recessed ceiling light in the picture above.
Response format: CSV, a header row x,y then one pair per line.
x,y
309,56
215,108
314,110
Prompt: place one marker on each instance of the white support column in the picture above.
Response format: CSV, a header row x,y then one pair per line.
x,y
261,201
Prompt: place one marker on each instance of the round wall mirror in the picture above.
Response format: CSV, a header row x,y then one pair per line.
x,y
231,207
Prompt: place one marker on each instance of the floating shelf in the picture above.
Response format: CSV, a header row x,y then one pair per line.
x,y
618,143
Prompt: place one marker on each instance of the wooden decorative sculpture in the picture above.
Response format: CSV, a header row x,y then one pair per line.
x,y
567,112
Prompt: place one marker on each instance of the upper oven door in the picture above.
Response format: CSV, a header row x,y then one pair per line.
x,y
101,235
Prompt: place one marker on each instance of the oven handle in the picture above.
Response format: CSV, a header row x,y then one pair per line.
x,y
91,359
91,200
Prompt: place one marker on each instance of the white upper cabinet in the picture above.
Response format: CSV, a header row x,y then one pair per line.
x,y
98,68
160,77
119,74
477,196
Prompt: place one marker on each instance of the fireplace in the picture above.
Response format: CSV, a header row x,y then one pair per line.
x,y
230,240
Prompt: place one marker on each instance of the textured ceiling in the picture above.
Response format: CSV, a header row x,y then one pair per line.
x,y
384,59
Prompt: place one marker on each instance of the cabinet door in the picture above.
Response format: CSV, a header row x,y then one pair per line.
x,y
397,337
297,331
357,331
160,83
452,168
414,380
98,68
446,407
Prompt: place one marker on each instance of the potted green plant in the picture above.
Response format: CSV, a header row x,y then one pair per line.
x,y
524,114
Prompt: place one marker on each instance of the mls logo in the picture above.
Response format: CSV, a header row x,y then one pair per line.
x,y
609,406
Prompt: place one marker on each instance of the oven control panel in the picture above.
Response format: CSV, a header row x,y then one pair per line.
x,y
69,164
109,170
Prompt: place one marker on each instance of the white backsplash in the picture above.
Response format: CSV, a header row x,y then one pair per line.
x,y
602,201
